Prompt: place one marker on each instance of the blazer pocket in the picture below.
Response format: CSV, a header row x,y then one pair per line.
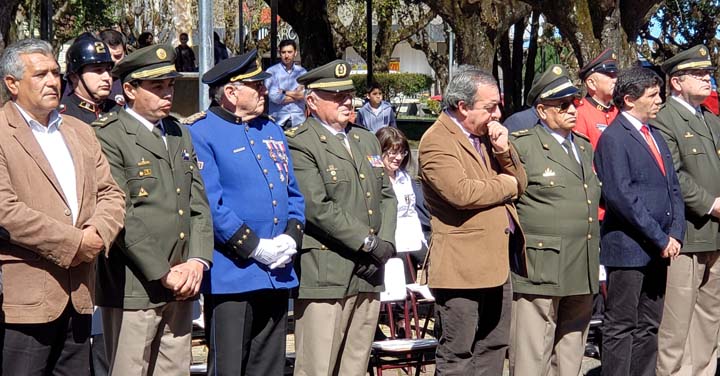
x,y
543,255
334,177
141,183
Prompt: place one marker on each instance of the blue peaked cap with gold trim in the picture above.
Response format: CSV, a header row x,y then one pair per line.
x,y
242,68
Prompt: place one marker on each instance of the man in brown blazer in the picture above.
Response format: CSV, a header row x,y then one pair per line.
x,y
470,175
60,208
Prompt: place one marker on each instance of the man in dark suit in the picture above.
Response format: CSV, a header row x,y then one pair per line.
x,y
688,333
644,223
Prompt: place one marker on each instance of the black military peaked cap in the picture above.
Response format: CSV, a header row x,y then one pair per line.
x,y
242,68
606,62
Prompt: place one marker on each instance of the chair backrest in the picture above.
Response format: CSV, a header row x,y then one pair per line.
x,y
395,287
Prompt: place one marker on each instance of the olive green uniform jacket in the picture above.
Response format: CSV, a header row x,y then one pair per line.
x,y
167,218
695,149
558,213
346,199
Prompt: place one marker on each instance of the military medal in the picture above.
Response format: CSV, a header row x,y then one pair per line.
x,y
142,192
375,160
143,162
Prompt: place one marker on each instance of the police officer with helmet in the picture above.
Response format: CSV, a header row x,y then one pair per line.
x,y
88,73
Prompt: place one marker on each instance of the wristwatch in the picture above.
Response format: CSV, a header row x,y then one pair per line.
x,y
370,243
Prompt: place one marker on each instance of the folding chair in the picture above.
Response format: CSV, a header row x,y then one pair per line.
x,y
413,351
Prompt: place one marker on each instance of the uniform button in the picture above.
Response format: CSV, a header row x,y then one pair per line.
x,y
247,128
367,194
252,142
540,244
240,242
333,173
141,173
244,237
177,190
265,171
275,221
67,212
181,212
192,167
334,178
271,185
585,186
247,230
667,214
372,230
274,202
322,247
589,236
298,227
589,202
694,150
370,212
362,176
552,183
600,184
259,157
590,219
182,235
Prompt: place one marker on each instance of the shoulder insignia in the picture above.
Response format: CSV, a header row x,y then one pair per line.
x,y
105,120
581,135
192,119
291,131
520,132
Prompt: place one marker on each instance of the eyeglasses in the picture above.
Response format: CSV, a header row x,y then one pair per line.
x,y
700,75
336,97
561,106
394,153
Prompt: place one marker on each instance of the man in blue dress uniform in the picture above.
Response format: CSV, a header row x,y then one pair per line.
x,y
257,212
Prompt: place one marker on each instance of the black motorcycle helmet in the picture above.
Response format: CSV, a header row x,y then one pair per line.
x,y
84,51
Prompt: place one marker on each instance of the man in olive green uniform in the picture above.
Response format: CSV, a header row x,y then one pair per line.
x,y
350,214
558,213
687,338
155,267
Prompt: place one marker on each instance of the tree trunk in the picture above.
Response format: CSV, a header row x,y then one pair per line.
x,y
311,24
531,54
7,16
479,25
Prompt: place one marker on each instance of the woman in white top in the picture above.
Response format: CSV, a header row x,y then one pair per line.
x,y
413,221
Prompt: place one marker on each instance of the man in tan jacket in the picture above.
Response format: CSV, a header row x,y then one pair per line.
x,y
470,175
59,207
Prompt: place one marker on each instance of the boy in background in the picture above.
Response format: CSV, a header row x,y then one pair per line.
x,y
375,113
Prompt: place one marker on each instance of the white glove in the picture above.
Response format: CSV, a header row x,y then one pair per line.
x,y
268,251
285,259
290,248
286,241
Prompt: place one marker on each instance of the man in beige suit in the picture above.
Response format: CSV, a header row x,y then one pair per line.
x,y
60,208
470,175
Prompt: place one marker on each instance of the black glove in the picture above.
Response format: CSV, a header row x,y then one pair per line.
x,y
368,270
383,252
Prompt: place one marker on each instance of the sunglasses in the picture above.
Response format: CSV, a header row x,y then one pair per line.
x,y
561,106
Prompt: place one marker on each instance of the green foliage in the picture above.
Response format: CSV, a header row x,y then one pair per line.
x,y
393,84
431,104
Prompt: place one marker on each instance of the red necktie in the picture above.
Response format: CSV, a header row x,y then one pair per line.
x,y
651,143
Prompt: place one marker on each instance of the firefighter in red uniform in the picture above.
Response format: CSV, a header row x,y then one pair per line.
x,y
596,111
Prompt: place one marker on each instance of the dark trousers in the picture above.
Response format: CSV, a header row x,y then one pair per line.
x,y
60,347
245,333
633,311
474,330
98,358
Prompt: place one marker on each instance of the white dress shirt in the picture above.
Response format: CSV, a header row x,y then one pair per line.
x,y
57,154
560,139
638,124
408,231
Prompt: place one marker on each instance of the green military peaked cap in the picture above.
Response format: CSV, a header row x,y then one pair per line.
x,y
155,62
697,57
333,76
553,84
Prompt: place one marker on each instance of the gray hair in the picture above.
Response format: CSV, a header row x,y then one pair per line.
x,y
12,65
464,84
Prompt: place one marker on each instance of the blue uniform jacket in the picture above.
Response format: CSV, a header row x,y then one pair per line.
x,y
643,206
253,194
